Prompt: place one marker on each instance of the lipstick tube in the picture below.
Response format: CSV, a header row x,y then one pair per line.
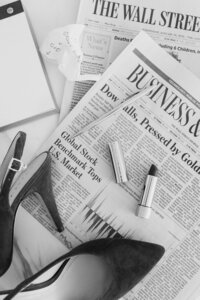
x,y
144,207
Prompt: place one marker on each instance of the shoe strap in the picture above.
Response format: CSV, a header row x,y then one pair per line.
x,y
12,163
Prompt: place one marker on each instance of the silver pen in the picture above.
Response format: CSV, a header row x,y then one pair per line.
x,y
114,110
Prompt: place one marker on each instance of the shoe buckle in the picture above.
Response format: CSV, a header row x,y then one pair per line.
x,y
16,165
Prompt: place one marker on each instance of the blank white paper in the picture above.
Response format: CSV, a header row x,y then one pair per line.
x,y
24,91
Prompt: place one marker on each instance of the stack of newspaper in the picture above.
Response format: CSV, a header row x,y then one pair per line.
x,y
162,128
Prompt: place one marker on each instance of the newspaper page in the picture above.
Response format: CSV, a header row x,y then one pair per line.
x,y
162,128
110,26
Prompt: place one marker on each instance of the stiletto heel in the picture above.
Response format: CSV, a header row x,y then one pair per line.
x,y
44,189
102,269
36,178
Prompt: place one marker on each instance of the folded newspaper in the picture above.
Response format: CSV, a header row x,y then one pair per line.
x,y
162,128
110,26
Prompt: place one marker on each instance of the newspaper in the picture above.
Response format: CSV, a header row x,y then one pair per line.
x,y
110,26
162,128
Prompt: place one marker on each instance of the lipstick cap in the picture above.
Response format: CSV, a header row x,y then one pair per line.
x,y
143,212
118,162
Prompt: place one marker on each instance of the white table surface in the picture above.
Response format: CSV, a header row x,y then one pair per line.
x,y
36,247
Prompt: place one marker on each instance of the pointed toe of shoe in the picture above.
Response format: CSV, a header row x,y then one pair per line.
x,y
130,261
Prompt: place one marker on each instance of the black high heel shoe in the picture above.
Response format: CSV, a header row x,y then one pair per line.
x,y
35,179
104,269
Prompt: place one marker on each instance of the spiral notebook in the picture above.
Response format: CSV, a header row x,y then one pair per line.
x,y
24,91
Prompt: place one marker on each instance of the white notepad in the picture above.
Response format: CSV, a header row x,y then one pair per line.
x,y
24,91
